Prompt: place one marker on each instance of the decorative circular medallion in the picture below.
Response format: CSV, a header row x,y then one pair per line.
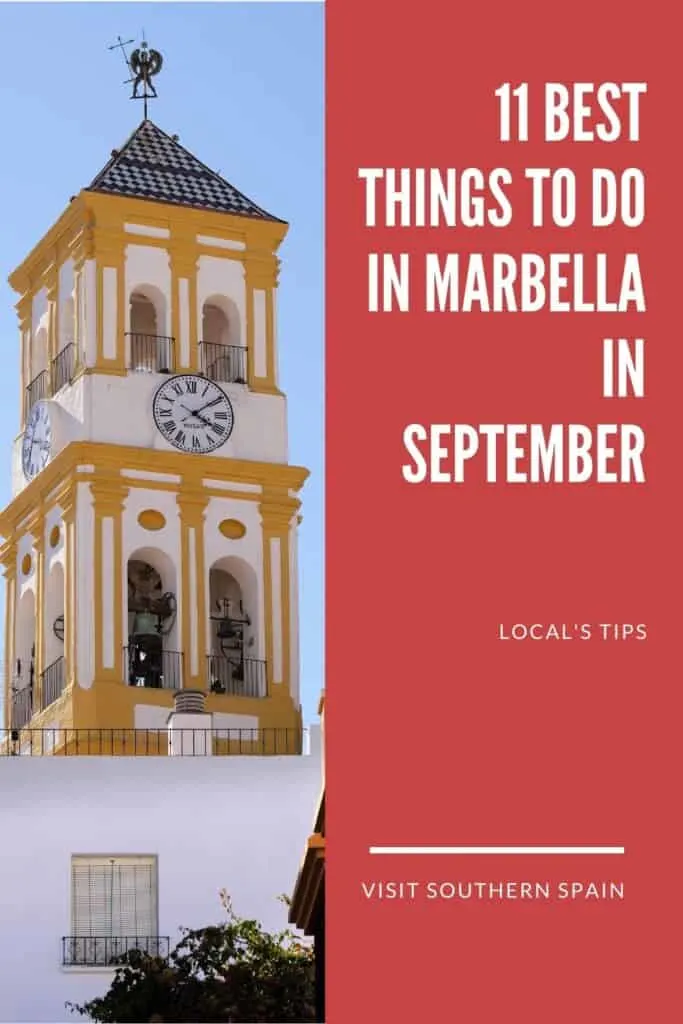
x,y
233,529
151,519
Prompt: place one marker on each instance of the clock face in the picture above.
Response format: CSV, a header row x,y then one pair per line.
x,y
194,414
37,444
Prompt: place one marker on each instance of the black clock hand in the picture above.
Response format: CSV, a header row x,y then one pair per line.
x,y
209,404
197,416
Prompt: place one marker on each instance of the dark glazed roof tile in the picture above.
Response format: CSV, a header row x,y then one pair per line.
x,y
153,165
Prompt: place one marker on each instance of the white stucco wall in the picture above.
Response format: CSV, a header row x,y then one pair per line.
x,y
238,823
91,410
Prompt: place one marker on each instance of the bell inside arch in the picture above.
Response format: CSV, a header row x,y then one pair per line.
x,y
145,624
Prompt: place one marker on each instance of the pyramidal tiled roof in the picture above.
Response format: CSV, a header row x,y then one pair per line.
x,y
153,165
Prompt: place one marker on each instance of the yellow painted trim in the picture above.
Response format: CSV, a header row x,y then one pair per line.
x,y
37,529
308,887
252,380
110,459
192,508
122,303
174,330
52,290
194,319
271,361
108,500
67,502
99,316
72,223
277,510
185,221
78,300
232,529
24,310
152,519
9,560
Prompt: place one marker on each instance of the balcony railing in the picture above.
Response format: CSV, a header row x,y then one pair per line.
x,y
63,742
225,363
237,677
63,367
151,353
53,679
153,669
22,707
36,391
104,951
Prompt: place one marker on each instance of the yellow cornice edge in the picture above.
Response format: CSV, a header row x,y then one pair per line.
x,y
257,234
24,277
110,460
308,883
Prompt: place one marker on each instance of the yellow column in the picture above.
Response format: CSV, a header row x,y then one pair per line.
x,y
67,504
109,496
83,249
183,262
24,311
8,558
36,527
261,273
109,248
277,511
192,508
52,289
78,301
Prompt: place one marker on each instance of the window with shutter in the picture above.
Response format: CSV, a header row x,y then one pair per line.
x,y
113,908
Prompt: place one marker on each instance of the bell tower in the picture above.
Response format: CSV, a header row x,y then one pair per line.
x,y
151,539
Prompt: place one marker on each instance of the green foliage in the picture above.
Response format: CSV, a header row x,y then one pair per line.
x,y
232,973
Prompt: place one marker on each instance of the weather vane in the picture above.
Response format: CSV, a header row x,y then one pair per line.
x,y
143,64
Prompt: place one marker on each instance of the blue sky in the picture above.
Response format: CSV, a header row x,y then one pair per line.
x,y
242,85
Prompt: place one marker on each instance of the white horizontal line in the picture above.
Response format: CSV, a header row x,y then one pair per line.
x,y
465,850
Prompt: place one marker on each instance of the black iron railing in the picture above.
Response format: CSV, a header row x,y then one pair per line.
x,y
53,679
63,367
62,742
227,363
22,707
36,391
151,353
237,677
103,951
153,669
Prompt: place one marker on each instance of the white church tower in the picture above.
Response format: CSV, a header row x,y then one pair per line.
x,y
150,543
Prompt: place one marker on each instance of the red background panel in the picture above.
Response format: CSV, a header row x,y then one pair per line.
x,y
438,733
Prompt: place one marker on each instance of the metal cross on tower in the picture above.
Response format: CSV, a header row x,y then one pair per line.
x,y
143,64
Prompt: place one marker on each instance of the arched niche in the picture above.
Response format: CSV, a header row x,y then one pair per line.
x,y
24,640
150,348
67,325
153,656
54,613
39,353
223,357
235,663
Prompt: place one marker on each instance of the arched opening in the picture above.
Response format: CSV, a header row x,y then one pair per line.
x,y
37,387
152,656
234,664
67,330
23,674
223,358
151,351
65,361
54,675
